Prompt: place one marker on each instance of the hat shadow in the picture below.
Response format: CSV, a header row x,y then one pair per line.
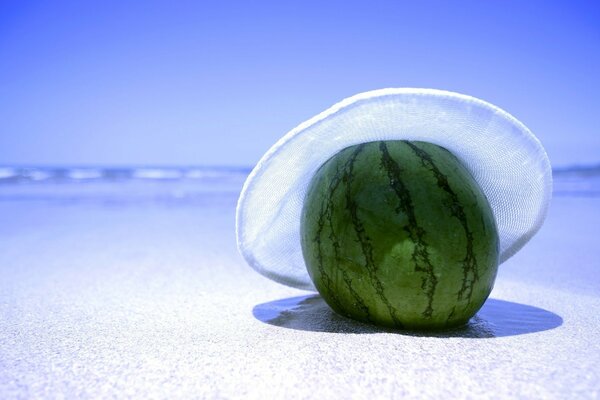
x,y
497,318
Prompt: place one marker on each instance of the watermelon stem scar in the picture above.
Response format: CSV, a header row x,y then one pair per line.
x,y
387,236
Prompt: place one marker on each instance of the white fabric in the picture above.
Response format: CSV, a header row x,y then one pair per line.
x,y
505,158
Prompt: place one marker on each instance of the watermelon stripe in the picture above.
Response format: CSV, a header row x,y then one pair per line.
x,y
451,314
325,278
364,240
420,255
326,214
470,267
337,179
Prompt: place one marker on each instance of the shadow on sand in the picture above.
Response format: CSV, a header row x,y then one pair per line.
x,y
497,318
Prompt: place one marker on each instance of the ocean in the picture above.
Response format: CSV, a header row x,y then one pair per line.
x,y
186,184
196,185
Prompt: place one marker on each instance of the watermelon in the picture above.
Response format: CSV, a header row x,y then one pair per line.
x,y
399,234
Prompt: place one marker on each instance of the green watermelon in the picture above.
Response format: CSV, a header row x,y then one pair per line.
x,y
399,234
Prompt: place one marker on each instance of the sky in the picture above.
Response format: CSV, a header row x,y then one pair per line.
x,y
177,83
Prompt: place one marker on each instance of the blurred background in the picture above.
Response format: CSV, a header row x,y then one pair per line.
x,y
216,83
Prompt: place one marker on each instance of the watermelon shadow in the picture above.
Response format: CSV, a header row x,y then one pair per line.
x,y
497,318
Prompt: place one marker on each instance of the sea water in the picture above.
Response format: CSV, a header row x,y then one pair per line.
x,y
186,184
193,185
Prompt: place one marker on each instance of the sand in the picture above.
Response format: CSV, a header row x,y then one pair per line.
x,y
105,297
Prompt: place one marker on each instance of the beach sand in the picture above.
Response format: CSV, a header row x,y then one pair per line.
x,y
108,297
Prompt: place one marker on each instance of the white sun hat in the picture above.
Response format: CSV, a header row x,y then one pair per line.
x,y
504,157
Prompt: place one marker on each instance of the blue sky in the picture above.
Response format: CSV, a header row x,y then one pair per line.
x,y
218,82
